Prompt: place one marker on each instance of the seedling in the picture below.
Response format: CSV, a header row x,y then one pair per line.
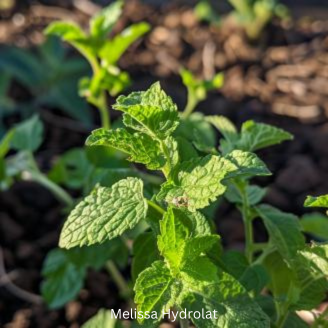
x,y
179,262
25,138
198,89
101,53
254,15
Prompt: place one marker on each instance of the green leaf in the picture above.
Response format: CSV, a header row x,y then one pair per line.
x,y
139,146
255,278
254,194
151,112
255,136
67,31
103,22
103,319
155,289
294,321
246,165
113,49
175,229
185,149
196,183
311,267
207,287
315,224
235,263
28,134
64,270
144,253
105,214
320,201
225,126
63,279
71,169
284,230
196,128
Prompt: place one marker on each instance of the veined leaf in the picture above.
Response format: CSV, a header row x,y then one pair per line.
x,y
155,289
151,112
207,287
114,49
320,201
175,229
246,164
141,148
103,22
197,182
255,136
105,214
284,230
254,194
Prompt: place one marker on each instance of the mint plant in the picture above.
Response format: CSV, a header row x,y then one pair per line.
x,y
101,53
24,139
197,89
254,15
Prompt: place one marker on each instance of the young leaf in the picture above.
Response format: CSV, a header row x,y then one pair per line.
x,y
105,214
111,52
139,146
155,289
28,134
175,229
66,31
151,112
320,201
255,136
103,22
103,319
284,230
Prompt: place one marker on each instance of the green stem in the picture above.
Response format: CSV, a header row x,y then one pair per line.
x,y
104,112
38,176
155,207
120,282
247,219
191,105
184,323
282,319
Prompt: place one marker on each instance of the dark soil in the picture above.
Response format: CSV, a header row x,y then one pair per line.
x,y
281,80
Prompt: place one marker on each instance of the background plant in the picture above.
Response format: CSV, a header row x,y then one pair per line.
x,y
101,53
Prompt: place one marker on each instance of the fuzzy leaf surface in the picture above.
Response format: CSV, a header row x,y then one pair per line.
x,y
105,214
139,146
152,112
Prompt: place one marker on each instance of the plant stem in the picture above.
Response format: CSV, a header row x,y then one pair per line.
x,y
191,105
37,176
120,282
247,219
104,112
184,323
282,319
155,207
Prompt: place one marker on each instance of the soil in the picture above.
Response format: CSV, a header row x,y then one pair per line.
x,y
282,79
